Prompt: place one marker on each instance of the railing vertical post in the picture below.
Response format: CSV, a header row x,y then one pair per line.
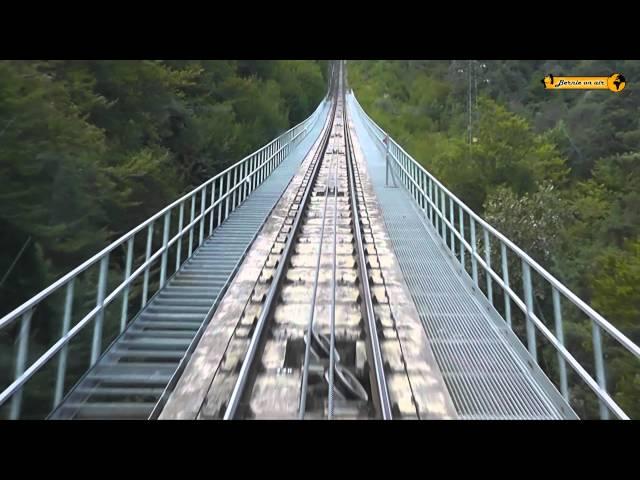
x,y
412,171
179,242
21,362
203,201
213,210
265,163
462,247
226,200
245,179
235,191
220,193
431,203
191,225
62,359
487,259
443,215
272,156
165,253
96,345
423,186
430,196
528,296
145,282
254,164
599,361
263,169
474,260
505,279
125,294
452,221
562,366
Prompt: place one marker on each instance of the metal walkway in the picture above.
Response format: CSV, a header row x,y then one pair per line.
x,y
129,379
488,376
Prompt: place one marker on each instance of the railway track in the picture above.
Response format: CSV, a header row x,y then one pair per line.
x,y
312,305
317,337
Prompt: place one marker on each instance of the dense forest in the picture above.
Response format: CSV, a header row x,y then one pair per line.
x,y
556,171
89,149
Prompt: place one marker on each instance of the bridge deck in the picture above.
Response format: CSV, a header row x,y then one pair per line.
x,y
488,372
129,378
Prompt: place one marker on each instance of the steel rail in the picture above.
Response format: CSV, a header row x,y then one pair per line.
x,y
307,350
377,374
332,327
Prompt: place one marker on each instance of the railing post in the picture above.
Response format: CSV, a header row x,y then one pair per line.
x,y
125,293
96,345
443,225
179,242
430,207
452,222
203,201
62,359
462,247
191,226
254,164
487,259
235,190
386,158
562,366
431,203
213,210
21,362
474,260
145,282
165,241
411,177
528,295
246,182
226,200
423,190
505,279
220,193
599,361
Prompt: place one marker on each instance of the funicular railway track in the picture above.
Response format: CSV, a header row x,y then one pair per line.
x,y
318,324
313,304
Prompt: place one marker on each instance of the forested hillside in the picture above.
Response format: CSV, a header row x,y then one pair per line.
x,y
89,149
556,171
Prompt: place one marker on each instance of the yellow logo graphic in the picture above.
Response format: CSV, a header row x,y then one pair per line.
x,y
615,83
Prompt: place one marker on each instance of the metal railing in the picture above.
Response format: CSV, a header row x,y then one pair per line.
x,y
442,209
215,199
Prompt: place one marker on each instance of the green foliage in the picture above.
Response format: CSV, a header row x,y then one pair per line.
x,y
88,149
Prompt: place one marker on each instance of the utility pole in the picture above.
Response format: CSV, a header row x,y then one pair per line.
x,y
472,98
